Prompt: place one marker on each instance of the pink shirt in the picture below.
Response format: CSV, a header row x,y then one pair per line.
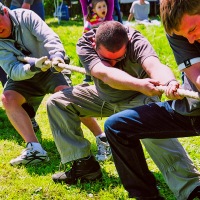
x,y
84,4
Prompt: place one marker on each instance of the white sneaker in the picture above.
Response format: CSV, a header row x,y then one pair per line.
x,y
104,151
30,156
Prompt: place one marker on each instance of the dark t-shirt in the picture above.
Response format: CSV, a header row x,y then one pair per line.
x,y
138,50
184,51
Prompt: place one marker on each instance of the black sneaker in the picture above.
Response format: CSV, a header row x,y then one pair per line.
x,y
85,169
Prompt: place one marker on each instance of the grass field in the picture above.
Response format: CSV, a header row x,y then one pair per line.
x,y
34,182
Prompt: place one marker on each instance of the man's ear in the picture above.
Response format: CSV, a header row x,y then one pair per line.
x,y
5,11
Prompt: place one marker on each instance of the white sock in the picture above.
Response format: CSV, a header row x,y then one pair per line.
x,y
101,135
36,145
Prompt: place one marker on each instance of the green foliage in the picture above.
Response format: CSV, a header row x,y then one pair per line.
x,y
49,7
34,182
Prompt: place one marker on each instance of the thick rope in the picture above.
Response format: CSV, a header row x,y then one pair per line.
x,y
72,68
183,93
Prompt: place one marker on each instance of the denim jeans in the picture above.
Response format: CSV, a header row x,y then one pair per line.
x,y
117,11
124,129
38,8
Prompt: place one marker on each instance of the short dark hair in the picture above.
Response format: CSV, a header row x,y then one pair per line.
x,y
172,11
112,35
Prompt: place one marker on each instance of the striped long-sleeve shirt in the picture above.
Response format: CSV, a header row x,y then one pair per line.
x,y
94,22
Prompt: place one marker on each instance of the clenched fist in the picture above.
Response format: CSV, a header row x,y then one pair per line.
x,y
55,62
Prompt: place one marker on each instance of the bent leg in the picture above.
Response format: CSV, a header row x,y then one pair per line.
x,y
12,102
130,164
174,163
64,111
160,121
92,125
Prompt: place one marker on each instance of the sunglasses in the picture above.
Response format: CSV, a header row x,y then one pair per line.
x,y
116,59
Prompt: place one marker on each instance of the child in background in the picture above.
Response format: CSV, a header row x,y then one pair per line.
x,y
85,3
96,14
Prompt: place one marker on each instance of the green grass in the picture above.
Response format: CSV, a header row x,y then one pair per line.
x,y
34,182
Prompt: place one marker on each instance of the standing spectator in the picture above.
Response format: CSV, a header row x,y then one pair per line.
x,y
86,3
140,11
34,5
96,14
117,11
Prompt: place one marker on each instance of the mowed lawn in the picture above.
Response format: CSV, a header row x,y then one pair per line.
x,y
34,182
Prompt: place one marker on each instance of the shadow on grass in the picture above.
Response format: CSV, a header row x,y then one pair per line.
x,y
112,184
8,132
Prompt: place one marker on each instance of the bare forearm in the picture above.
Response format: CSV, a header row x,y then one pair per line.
x,y
120,80
158,71
130,17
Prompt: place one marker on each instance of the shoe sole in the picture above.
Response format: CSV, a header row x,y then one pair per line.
x,y
92,176
31,162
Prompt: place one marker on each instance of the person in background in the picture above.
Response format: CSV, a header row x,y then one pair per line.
x,y
86,3
34,5
126,71
117,11
139,11
96,14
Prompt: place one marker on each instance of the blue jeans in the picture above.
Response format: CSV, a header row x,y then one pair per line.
x,y
38,8
117,11
124,129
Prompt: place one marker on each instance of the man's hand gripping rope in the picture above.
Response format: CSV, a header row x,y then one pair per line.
x,y
57,65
